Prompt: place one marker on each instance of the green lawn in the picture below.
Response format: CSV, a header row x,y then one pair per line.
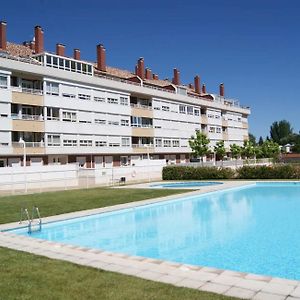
x,y
27,276
55,203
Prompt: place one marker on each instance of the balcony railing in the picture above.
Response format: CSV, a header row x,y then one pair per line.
x,y
27,90
138,105
142,125
143,146
27,117
28,144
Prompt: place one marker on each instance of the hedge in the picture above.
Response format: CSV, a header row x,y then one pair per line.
x,y
246,172
196,173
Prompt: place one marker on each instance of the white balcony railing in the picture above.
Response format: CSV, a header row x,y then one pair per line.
x,y
27,117
138,105
27,90
143,146
28,144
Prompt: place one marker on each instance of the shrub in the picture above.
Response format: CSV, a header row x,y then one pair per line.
x,y
196,173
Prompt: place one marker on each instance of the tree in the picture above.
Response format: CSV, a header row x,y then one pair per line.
x,y
220,150
248,149
260,141
236,151
252,138
199,144
280,131
270,149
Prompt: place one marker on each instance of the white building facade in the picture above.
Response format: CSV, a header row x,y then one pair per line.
x,y
68,110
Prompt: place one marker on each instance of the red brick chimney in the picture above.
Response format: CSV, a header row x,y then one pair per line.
x,y
101,60
176,78
148,73
60,49
39,39
3,35
197,84
222,91
141,68
76,54
155,76
203,88
32,45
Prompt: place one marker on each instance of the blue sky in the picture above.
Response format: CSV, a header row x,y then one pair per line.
x,y
251,46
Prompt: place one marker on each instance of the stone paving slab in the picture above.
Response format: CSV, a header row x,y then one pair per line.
x,y
226,282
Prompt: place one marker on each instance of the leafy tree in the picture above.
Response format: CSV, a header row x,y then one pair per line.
x,y
248,150
199,144
280,131
252,138
235,150
270,149
260,141
220,150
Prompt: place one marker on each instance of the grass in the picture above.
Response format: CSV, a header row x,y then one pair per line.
x,y
27,276
55,203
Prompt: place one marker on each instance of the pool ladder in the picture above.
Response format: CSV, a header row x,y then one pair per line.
x,y
33,224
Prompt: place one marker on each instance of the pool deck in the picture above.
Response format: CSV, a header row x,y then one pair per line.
x,y
230,283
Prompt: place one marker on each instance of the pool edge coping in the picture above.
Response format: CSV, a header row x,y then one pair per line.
x,y
225,282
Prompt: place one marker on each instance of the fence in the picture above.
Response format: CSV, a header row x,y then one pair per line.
x,y
19,180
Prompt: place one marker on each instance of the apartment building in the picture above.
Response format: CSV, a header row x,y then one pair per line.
x,y
60,109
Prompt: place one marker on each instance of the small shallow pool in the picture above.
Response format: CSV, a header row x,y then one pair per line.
x,y
184,184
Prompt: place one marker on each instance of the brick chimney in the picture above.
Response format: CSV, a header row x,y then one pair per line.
x,y
197,84
141,68
222,91
32,45
60,49
176,78
76,54
203,88
155,76
3,41
39,39
148,73
101,58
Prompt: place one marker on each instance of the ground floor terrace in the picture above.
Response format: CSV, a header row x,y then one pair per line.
x,y
113,275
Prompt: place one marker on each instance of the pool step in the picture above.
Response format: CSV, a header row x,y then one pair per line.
x,y
35,222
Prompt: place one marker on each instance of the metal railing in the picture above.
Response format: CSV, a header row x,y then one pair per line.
x,y
27,60
27,90
142,145
138,105
28,144
27,117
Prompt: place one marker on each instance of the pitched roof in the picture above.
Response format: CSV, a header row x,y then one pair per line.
x,y
18,50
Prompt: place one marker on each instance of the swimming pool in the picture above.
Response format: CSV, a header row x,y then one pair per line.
x,y
252,229
184,184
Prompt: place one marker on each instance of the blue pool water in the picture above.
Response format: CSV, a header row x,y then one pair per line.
x,y
251,229
186,184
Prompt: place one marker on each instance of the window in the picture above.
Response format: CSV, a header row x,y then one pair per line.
x,y
182,109
100,121
218,130
212,129
100,143
124,160
114,144
124,122
112,100
84,97
167,143
165,108
99,99
53,140
70,143
53,113
210,116
136,121
189,110
158,142
67,95
68,116
217,116
85,143
3,82
115,123
197,112
125,142
175,143
52,88
123,101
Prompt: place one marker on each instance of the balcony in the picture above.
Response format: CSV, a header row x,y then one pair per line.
x,y
27,96
224,123
140,110
146,131
204,119
245,125
143,148
225,136
31,148
28,123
